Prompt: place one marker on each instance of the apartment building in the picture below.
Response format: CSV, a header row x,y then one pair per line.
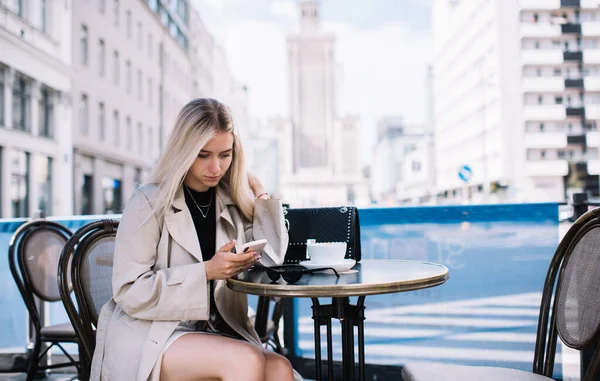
x,y
516,98
35,108
131,75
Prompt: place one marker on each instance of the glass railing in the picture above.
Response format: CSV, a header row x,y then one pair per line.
x,y
486,314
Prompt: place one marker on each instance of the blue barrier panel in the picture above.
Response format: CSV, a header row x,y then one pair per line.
x,y
486,314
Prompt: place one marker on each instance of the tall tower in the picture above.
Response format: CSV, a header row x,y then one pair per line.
x,y
311,86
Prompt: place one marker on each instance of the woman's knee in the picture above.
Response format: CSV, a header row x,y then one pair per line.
x,y
249,361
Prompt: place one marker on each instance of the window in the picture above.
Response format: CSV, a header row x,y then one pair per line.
x,y
129,132
102,6
111,195
83,114
116,13
139,83
87,192
558,100
101,122
149,92
43,183
557,72
128,22
46,113
117,128
116,68
539,72
543,154
19,183
44,16
540,99
140,134
101,58
541,127
1,97
16,6
150,143
149,45
128,77
537,45
139,28
21,104
84,45
153,5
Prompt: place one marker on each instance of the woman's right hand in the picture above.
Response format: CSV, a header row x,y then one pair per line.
x,y
225,264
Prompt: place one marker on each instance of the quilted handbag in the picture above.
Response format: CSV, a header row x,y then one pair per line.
x,y
331,224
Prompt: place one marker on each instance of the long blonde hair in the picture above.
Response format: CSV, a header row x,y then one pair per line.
x,y
198,122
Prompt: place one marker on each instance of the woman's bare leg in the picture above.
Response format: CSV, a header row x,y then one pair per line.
x,y
277,367
199,356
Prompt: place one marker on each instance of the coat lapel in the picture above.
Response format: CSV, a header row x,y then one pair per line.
x,y
181,226
223,201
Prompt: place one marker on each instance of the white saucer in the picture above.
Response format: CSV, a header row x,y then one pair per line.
x,y
340,267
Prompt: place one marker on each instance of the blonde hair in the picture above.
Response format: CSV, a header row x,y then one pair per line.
x,y
197,123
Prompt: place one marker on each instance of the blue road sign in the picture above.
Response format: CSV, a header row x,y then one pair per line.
x,y
465,173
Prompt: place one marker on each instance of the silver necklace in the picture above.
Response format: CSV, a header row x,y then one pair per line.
x,y
204,215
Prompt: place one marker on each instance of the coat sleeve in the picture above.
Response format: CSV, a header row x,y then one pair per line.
x,y
269,223
177,293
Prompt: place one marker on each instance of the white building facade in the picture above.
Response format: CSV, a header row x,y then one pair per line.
x,y
516,98
35,108
132,74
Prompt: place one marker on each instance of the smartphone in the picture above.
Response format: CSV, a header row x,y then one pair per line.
x,y
257,246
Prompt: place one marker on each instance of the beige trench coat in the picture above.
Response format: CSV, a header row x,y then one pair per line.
x,y
159,280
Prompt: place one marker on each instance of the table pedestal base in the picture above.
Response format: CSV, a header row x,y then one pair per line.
x,y
350,316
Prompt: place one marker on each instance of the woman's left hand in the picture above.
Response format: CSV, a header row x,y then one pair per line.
x,y
255,185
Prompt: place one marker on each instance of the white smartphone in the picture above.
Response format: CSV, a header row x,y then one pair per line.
x,y
257,246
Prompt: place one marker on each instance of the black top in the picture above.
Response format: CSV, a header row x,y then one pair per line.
x,y
202,206
203,210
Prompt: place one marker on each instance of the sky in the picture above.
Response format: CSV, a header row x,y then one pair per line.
x,y
382,51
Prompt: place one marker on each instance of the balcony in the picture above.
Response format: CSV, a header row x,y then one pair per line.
x,y
593,167
543,84
570,28
545,140
573,56
592,111
573,83
570,3
545,168
544,112
531,29
576,139
593,139
575,111
542,57
592,83
590,28
591,56
539,4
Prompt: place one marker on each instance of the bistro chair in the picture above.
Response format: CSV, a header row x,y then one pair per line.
x,y
570,309
90,251
33,254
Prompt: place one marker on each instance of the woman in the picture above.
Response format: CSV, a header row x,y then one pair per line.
x,y
172,317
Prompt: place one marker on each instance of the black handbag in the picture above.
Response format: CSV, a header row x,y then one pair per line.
x,y
324,225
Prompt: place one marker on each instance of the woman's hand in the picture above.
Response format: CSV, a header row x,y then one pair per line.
x,y
225,264
256,186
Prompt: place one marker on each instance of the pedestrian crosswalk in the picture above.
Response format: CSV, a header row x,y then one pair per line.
x,y
491,331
